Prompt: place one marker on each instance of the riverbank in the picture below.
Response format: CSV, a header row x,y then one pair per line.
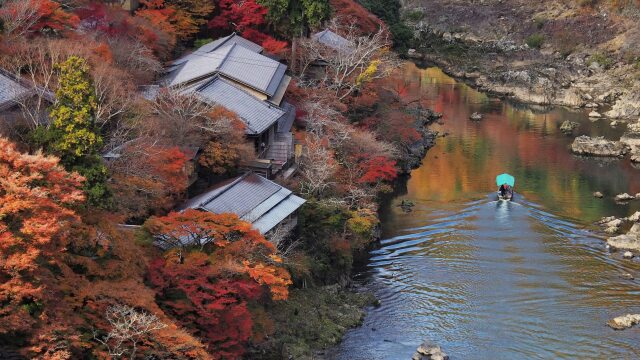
x,y
534,53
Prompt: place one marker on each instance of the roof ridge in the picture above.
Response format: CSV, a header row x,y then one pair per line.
x,y
231,47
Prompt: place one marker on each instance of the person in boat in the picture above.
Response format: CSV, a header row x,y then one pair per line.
x,y
505,190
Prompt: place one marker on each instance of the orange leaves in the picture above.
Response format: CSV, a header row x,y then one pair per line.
x,y
276,278
35,195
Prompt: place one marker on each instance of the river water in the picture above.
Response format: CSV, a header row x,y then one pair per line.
x,y
530,279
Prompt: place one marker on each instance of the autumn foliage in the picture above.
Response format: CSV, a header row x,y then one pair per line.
x,y
148,178
36,194
227,266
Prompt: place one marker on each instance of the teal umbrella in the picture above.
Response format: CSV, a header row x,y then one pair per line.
x,y
505,179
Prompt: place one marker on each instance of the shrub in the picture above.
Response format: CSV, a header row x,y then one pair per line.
x,y
601,58
414,15
539,22
535,41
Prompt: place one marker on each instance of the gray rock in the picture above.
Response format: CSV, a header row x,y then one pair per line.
x,y
635,217
624,197
615,223
611,230
429,351
605,220
598,146
627,276
627,255
476,116
595,114
567,127
625,242
598,194
624,322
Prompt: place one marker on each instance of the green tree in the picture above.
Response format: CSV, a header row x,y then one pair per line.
x,y
73,114
293,16
73,135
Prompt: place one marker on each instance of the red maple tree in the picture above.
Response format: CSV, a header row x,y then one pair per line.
x,y
223,265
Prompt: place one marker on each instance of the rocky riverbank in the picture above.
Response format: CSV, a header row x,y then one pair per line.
x,y
534,52
414,153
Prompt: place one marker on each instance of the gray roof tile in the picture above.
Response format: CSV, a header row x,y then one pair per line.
x,y
257,115
10,90
253,198
331,39
286,122
233,61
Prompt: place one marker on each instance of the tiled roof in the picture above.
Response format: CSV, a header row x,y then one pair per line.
x,y
233,61
286,122
331,39
10,90
253,198
257,115
231,39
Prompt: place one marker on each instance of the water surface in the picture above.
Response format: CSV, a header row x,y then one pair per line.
x,y
484,279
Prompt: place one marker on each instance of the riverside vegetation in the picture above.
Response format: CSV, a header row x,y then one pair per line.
x,y
79,284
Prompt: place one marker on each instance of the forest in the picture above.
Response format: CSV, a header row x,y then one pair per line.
x,y
83,275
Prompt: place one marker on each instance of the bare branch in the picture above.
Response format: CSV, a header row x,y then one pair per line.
x,y
129,327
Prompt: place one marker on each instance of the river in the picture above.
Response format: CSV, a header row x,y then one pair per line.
x,y
530,279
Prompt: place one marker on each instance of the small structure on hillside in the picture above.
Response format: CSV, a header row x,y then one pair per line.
x,y
332,40
267,125
233,72
21,100
254,199
237,60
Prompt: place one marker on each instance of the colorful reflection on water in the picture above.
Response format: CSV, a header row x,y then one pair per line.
x,y
485,279
515,139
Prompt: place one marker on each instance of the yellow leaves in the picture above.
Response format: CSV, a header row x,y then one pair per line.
x,y
73,113
368,74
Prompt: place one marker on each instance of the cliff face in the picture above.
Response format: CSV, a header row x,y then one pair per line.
x,y
544,52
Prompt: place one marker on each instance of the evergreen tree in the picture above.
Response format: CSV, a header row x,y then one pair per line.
x,y
293,16
73,135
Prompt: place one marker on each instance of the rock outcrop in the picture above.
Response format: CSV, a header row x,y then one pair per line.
x,y
628,241
624,322
631,139
598,146
567,127
429,351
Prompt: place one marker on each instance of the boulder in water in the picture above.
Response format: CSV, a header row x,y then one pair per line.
x,y
476,116
635,217
595,115
598,194
626,242
567,127
627,255
598,146
624,197
624,322
429,351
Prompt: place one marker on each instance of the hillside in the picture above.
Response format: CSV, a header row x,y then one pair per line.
x,y
575,53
